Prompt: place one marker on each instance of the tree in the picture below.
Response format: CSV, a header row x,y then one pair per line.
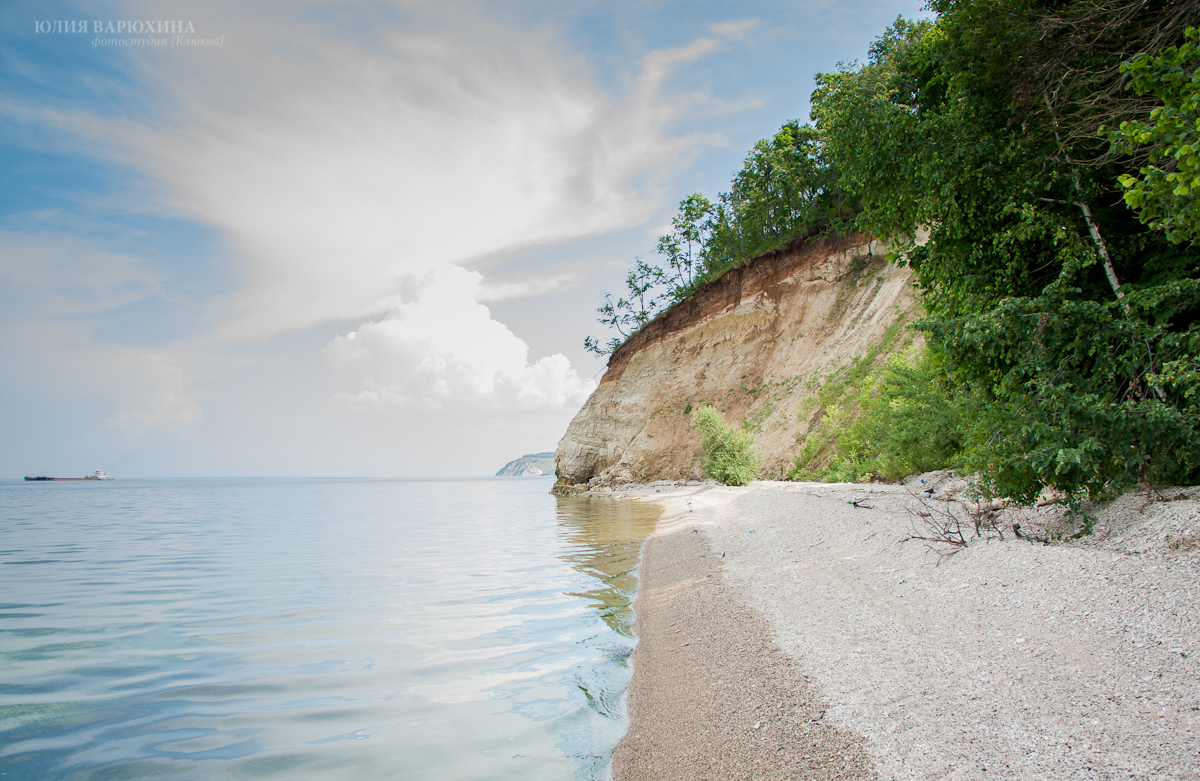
x,y
1167,196
628,314
784,189
1070,326
684,247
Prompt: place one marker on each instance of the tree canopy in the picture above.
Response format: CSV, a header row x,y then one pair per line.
x,y
1051,150
785,189
1069,325
1166,195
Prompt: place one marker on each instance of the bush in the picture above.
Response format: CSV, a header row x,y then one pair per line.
x,y
730,456
904,421
911,424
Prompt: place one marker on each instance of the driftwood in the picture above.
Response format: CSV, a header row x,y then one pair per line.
x,y
937,521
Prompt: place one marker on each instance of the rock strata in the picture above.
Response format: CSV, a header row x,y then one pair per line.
x,y
757,343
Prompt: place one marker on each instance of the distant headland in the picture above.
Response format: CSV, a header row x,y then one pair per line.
x,y
529,465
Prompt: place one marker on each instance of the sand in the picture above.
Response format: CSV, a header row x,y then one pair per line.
x,y
784,632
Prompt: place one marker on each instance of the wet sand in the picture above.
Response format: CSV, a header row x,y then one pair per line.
x,y
713,697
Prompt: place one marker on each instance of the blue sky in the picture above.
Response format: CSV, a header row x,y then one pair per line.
x,y
355,239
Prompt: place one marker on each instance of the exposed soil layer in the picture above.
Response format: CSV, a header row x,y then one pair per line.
x,y
757,343
767,274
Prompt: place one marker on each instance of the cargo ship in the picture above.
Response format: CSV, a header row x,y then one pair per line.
x,y
99,475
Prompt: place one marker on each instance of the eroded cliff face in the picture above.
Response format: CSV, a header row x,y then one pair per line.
x,y
757,343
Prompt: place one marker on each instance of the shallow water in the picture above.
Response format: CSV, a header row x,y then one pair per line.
x,y
312,629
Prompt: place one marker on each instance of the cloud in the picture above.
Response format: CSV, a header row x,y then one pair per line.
x,y
54,275
353,164
338,166
346,172
526,288
56,291
735,29
65,372
443,349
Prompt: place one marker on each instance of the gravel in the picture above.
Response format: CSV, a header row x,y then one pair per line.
x,y
713,697
1002,658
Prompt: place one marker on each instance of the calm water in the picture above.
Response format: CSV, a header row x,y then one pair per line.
x,y
312,629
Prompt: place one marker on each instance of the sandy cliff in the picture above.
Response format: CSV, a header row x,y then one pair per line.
x,y
758,343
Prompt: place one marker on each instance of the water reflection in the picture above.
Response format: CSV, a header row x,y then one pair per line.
x,y
606,537
602,539
311,630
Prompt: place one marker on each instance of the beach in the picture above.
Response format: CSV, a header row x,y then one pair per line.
x,y
806,630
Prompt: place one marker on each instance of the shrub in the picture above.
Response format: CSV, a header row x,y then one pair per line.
x,y
903,422
910,424
730,456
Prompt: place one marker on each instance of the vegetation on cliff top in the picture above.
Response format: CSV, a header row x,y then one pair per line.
x,y
1052,149
786,188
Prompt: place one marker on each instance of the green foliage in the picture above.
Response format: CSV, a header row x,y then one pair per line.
x,y
1167,199
684,248
869,130
1060,280
785,189
911,423
1079,408
730,456
907,422
983,127
627,314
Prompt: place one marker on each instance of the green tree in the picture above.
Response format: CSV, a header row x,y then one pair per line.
x,y
684,248
627,314
1070,326
1167,196
784,189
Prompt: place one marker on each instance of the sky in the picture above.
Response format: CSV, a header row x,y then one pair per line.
x,y
354,238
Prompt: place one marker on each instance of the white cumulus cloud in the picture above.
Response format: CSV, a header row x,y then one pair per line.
x,y
349,168
443,350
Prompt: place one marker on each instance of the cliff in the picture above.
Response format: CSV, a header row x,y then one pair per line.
x,y
759,343
528,465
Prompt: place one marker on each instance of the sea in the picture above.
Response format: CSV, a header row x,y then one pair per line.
x,y
264,628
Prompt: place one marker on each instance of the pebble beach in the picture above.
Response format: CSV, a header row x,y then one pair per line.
x,y
807,630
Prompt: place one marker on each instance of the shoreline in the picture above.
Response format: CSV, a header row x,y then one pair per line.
x,y
712,696
759,608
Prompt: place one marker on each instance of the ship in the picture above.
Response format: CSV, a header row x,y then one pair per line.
x,y
99,475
